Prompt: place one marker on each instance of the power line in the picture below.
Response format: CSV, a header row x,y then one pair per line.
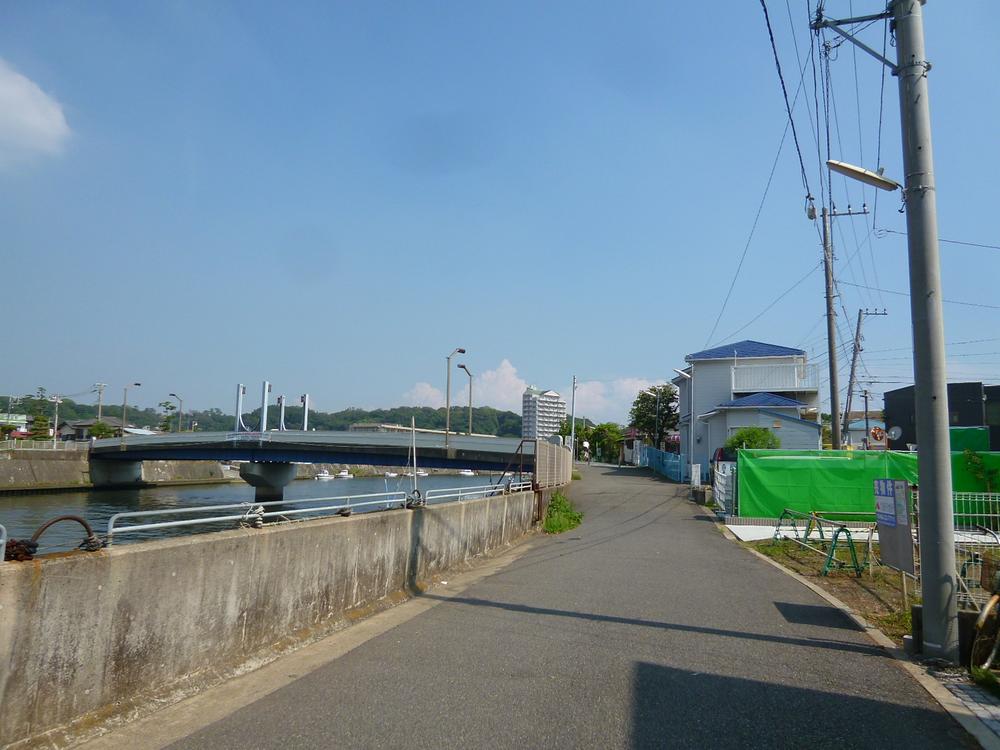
x,y
784,93
881,232
773,303
949,301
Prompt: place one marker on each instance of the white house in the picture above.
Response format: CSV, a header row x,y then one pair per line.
x,y
747,383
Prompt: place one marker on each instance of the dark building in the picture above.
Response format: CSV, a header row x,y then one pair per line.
x,y
969,405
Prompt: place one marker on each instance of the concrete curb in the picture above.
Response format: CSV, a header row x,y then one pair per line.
x,y
955,708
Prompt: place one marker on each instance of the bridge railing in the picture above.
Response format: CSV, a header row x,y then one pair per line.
x,y
44,445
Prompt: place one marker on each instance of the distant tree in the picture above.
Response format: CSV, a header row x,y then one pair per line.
x,y
166,422
101,430
5,430
40,428
643,415
753,437
605,439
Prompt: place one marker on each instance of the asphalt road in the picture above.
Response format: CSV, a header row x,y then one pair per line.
x,y
642,628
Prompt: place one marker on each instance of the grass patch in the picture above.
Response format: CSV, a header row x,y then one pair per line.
x,y
560,515
576,475
986,680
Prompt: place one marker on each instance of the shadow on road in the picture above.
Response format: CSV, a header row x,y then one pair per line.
x,y
822,643
679,708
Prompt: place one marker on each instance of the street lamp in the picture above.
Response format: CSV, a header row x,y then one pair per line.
x,y
875,179
447,396
655,390
180,411
469,373
125,410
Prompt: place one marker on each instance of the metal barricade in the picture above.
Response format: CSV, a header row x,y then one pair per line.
x,y
815,522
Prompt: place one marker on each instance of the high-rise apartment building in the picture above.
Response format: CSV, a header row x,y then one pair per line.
x,y
542,413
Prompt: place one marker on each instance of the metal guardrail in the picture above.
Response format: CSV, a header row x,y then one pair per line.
x,y
253,511
476,492
341,503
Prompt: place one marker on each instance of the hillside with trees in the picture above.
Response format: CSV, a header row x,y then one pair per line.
x,y
485,419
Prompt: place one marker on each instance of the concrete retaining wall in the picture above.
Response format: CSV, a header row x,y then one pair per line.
x,y
90,635
40,470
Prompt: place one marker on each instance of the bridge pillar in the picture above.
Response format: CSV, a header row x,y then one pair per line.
x,y
115,473
268,479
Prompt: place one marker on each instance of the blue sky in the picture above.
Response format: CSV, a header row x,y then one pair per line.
x,y
334,197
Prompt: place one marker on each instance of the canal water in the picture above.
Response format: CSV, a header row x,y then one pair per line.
x,y
23,514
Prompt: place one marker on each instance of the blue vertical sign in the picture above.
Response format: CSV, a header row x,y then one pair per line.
x,y
885,502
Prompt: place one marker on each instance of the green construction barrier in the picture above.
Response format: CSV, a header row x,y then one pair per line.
x,y
839,484
973,438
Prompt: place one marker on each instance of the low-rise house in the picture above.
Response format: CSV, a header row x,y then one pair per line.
x,y
857,433
79,429
747,383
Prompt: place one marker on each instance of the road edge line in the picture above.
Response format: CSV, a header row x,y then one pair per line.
x,y
952,705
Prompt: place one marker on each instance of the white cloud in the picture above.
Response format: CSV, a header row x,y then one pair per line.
x,y
424,394
501,388
31,121
607,401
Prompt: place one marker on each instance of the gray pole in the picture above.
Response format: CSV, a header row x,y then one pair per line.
x,y
124,412
572,429
867,427
240,390
470,401
305,411
850,379
100,398
831,332
937,529
447,404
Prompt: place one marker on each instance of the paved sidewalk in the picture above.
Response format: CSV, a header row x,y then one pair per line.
x,y
642,628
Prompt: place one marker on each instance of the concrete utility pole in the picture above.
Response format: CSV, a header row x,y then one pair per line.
x,y
937,517
854,366
831,331
99,387
572,428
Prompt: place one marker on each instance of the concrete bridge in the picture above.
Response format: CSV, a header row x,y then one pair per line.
x,y
269,457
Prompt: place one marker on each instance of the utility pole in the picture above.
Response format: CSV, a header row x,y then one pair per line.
x,y
867,426
831,331
57,399
99,387
938,585
572,429
862,314
937,516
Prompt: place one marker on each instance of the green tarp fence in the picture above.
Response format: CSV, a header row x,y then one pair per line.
x,y
974,438
832,482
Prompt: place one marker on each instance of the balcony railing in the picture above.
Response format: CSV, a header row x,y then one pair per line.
x,y
789,377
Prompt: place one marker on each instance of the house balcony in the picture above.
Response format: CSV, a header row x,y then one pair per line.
x,y
775,378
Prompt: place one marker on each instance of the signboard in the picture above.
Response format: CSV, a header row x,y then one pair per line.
x,y
696,475
892,514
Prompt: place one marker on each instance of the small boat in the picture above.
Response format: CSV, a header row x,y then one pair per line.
x,y
343,474
422,473
467,473
323,475
391,475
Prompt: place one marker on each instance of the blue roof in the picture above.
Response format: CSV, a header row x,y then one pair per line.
x,y
745,349
762,400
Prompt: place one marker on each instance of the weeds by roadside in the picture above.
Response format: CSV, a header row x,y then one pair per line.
x,y
560,515
576,475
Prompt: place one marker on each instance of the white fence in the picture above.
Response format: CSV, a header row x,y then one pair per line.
x,y
553,467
